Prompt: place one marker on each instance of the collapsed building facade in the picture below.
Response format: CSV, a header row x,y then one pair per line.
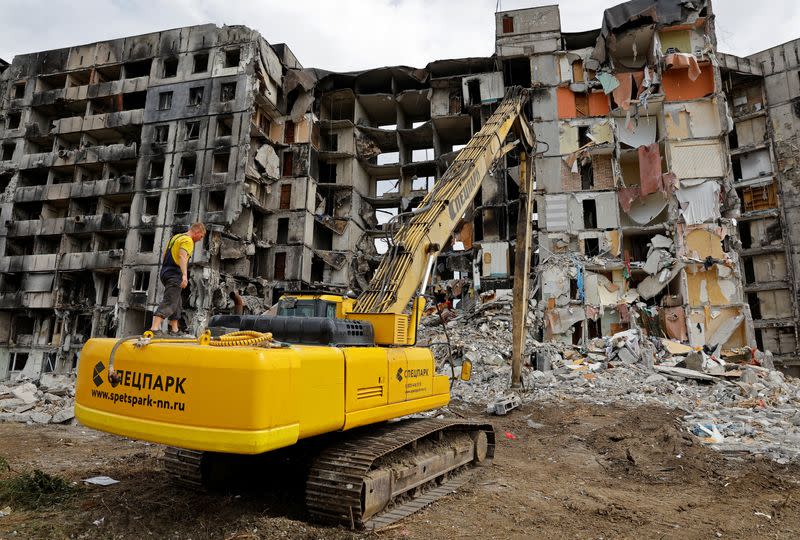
x,y
664,188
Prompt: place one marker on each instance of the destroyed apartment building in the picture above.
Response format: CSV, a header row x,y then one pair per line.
x,y
664,180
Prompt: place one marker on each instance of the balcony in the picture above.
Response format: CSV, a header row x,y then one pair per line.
x,y
97,188
90,91
98,122
70,225
87,155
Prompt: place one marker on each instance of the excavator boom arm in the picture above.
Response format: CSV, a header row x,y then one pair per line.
x,y
405,264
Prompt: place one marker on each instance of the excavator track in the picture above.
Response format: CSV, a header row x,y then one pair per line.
x,y
371,479
184,467
365,480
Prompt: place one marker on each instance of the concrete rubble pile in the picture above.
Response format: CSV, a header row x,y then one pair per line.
x,y
734,401
51,400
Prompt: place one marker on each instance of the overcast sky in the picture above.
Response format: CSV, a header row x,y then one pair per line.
x,y
344,35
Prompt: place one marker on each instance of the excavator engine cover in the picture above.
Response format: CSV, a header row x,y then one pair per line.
x,y
301,330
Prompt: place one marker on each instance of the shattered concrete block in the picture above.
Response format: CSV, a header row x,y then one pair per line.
x,y
25,392
502,407
64,415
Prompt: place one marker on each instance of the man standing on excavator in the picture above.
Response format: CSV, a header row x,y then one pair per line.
x,y
175,277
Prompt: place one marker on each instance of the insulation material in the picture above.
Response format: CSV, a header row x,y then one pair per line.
x,y
702,243
692,120
683,61
622,93
649,169
601,132
755,164
645,209
614,244
679,40
703,287
697,159
673,321
556,214
567,138
677,86
639,132
699,204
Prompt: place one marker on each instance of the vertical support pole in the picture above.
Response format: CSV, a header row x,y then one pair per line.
x,y
522,268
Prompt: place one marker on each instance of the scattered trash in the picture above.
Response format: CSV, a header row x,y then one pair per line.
x,y
762,514
5,511
99,522
511,436
101,481
535,425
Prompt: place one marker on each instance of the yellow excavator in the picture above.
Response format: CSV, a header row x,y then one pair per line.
x,y
325,366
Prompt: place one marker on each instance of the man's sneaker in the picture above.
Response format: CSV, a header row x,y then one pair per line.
x,y
179,334
158,334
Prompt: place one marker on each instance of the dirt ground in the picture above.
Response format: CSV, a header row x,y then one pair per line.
x,y
589,472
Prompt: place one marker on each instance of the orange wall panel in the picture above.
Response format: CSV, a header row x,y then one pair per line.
x,y
598,104
566,102
677,86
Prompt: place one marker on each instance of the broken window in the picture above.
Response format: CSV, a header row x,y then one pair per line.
x,y
156,170
17,361
474,91
286,197
7,152
13,120
146,242
183,203
591,246
19,90
516,72
327,172
263,121
508,24
224,125
283,231
589,214
161,134
151,203
221,162
232,57
385,187
279,272
227,91
141,281
200,63
288,132
215,201
134,100
192,131
196,96
170,68
587,174
288,163
138,69
188,165
164,101
5,179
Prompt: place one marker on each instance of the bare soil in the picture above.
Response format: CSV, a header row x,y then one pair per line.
x,y
589,472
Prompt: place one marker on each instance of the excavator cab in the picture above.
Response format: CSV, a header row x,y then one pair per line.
x,y
313,304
